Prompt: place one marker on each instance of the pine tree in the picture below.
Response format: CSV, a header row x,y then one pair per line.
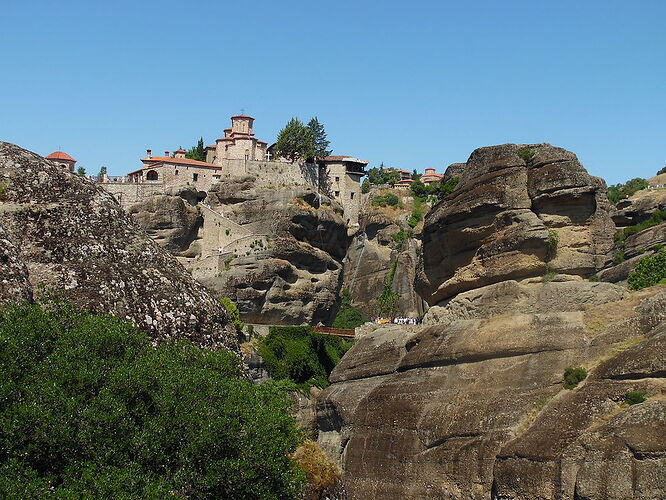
x,y
102,172
318,134
295,141
197,152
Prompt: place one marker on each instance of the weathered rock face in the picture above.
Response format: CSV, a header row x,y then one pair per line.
x,y
64,234
369,261
475,407
639,207
171,219
295,276
511,218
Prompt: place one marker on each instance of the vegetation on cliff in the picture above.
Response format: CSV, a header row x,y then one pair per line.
x,y
649,271
90,409
298,354
348,316
620,191
297,141
197,152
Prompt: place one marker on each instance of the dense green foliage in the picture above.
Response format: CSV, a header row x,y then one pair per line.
x,y
634,398
81,171
365,186
418,211
619,191
90,409
526,153
197,152
388,299
574,376
298,354
234,314
433,191
649,271
657,217
400,237
102,172
387,199
381,175
348,316
297,141
294,142
318,137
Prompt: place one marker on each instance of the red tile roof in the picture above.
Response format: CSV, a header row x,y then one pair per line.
x,y
241,116
59,155
179,161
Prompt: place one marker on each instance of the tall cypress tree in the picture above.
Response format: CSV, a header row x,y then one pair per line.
x,y
320,143
197,152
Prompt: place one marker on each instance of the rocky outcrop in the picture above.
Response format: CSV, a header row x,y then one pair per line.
x,y
455,170
290,273
518,212
371,256
475,407
172,219
639,207
66,236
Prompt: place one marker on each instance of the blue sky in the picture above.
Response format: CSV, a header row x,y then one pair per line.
x,y
410,84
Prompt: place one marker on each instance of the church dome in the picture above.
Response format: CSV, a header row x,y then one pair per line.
x,y
60,155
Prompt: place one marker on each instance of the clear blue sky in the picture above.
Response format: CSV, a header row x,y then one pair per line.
x,y
410,84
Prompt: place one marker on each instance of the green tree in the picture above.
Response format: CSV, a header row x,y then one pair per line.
x,y
365,186
102,172
318,136
619,191
649,271
376,175
90,409
392,176
294,142
298,354
348,316
81,171
197,152
662,171
388,299
416,176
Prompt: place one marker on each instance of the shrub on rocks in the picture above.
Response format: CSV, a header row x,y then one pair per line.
x,y
649,271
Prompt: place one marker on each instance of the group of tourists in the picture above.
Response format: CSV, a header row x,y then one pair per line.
x,y
397,321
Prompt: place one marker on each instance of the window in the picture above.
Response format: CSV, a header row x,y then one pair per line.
x,y
337,194
176,172
337,179
216,177
351,195
151,175
195,177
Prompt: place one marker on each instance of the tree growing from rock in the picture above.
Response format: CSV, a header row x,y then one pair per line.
x,y
81,171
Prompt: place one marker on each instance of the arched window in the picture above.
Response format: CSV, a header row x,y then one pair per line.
x,y
151,175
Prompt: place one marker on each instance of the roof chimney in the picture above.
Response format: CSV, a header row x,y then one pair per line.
x,y
149,153
166,153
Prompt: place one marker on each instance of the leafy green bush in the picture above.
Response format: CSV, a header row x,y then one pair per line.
x,y
348,316
657,217
634,398
365,186
298,354
234,314
618,257
649,271
417,213
400,237
574,376
90,409
388,299
619,191
387,199
526,153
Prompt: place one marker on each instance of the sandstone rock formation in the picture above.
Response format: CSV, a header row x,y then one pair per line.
x,y
371,256
518,212
472,404
277,251
476,407
61,234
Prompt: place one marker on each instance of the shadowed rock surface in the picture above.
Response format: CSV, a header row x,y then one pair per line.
x,y
513,218
71,238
